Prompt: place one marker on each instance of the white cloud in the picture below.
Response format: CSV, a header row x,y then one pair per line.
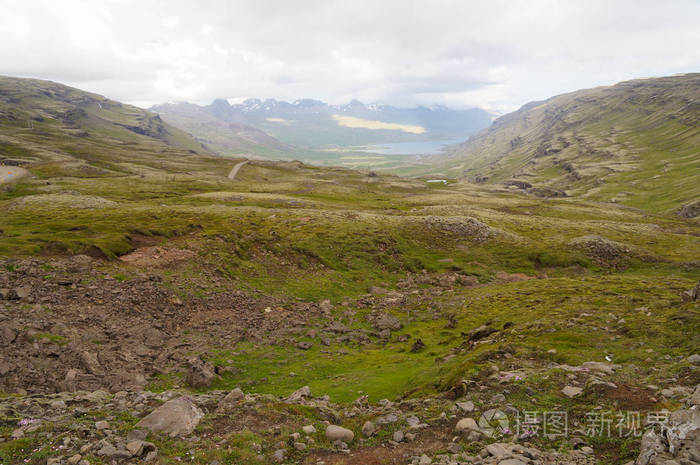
x,y
496,54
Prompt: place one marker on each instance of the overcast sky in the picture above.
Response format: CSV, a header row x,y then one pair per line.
x,y
495,54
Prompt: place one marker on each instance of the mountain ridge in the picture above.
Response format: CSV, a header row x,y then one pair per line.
x,y
634,142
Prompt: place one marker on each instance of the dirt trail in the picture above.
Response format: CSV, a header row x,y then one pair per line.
x,y
11,173
234,171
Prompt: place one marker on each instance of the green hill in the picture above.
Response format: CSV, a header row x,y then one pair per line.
x,y
636,143
58,129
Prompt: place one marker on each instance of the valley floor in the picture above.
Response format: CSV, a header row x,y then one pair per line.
x,y
432,323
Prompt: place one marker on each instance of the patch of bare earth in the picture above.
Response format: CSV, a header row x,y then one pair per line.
x,y
156,256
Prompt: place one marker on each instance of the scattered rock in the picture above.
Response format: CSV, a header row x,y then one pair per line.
x,y
231,400
177,417
385,321
603,251
279,455
100,425
466,424
466,407
600,367
299,394
571,391
200,374
338,433
368,429
497,450
309,429
387,419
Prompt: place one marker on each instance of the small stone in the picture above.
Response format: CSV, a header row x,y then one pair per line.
x,y
338,433
454,448
511,462
100,425
137,435
587,450
299,394
497,450
387,419
413,421
398,436
299,446
58,404
234,396
368,429
309,429
571,391
135,447
466,424
75,459
425,460
280,455
466,407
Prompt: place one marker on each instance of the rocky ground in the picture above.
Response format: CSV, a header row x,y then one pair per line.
x,y
82,345
86,427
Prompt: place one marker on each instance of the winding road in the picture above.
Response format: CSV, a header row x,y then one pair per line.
x,y
234,171
11,173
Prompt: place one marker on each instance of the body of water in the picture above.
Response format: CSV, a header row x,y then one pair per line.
x,y
428,147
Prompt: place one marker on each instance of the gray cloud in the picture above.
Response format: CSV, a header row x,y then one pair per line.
x,y
496,54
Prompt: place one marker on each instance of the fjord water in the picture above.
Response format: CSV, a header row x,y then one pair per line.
x,y
427,147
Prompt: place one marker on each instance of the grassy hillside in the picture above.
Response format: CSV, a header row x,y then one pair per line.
x,y
635,143
61,130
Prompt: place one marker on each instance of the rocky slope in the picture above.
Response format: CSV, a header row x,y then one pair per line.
x,y
634,143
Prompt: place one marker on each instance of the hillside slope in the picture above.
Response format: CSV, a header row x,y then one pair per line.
x,y
637,143
58,129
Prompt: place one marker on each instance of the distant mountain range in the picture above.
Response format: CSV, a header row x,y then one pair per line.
x,y
312,124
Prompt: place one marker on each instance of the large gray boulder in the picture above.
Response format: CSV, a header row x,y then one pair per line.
x,y
176,417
